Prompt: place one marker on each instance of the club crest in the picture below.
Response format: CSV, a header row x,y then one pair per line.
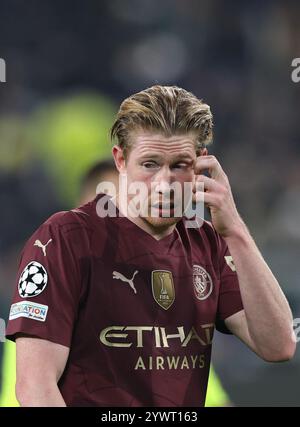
x,y
202,281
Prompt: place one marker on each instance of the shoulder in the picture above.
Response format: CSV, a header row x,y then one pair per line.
x,y
81,227
200,229
80,218
64,228
205,234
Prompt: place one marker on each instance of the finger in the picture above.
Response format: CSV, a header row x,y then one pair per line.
x,y
203,182
209,199
209,163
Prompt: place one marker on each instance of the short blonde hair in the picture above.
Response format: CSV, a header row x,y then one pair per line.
x,y
168,109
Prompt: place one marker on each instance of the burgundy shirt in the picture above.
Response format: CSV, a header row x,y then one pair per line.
x,y
138,314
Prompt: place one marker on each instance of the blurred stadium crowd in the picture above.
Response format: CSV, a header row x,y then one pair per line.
x,y
70,63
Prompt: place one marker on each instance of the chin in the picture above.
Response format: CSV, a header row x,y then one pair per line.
x,y
159,222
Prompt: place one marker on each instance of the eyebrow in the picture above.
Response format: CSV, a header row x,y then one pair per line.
x,y
183,157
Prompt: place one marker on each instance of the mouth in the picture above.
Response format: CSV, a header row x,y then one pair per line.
x,y
164,206
166,210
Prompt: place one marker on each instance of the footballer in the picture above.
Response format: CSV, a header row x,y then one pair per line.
x,y
120,309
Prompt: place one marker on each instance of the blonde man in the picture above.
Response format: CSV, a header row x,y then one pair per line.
x,y
120,307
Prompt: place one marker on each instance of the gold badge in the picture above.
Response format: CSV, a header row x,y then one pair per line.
x,y
163,288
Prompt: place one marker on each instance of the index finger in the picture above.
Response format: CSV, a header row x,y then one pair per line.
x,y
209,163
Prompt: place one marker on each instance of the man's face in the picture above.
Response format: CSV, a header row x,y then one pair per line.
x,y
159,161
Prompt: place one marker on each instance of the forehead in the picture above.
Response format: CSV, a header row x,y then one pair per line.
x,y
149,143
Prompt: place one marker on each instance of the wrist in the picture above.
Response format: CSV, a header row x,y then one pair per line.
x,y
238,233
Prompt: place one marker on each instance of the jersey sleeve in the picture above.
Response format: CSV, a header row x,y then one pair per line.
x,y
230,301
47,290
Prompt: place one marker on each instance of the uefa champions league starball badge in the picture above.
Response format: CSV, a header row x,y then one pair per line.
x,y
33,280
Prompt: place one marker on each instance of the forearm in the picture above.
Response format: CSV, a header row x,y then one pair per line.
x,y
39,396
40,365
267,311
267,328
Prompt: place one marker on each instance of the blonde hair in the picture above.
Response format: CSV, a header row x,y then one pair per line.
x,y
167,109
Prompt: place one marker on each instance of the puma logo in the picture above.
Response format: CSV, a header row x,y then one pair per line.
x,y
40,245
117,275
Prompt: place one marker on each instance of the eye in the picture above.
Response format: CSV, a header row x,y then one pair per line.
x,y
179,165
150,164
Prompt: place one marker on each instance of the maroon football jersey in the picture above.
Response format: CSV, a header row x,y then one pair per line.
x,y
138,314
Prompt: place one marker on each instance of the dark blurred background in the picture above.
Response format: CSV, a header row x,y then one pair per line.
x,y
68,66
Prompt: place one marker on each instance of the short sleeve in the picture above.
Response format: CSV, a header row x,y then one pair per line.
x,y
47,290
230,301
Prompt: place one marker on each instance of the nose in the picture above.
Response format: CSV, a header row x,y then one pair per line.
x,y
163,179
162,187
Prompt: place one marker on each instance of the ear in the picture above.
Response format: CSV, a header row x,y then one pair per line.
x,y
204,152
119,158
